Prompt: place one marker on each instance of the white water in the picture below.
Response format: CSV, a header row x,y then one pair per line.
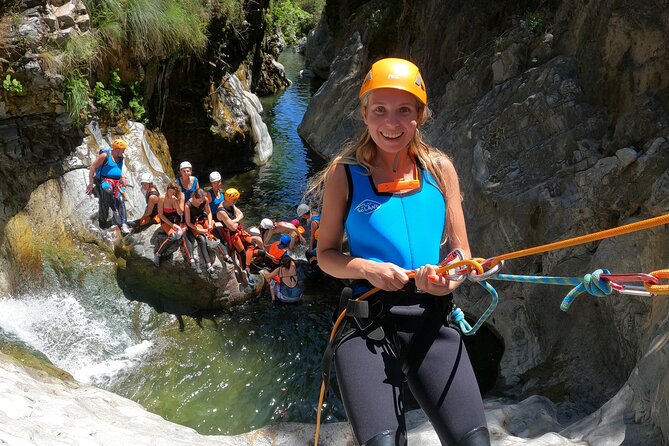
x,y
73,338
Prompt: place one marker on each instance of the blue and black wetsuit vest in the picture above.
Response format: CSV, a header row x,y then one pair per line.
x,y
404,229
187,192
110,169
215,203
154,212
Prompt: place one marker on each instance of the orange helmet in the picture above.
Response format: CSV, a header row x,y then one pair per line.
x,y
231,194
395,73
119,144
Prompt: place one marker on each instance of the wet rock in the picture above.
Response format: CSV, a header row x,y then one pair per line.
x,y
174,286
73,413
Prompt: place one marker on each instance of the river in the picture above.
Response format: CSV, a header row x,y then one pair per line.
x,y
256,365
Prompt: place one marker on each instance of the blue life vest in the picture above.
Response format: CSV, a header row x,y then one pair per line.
x,y
404,229
215,202
110,168
187,192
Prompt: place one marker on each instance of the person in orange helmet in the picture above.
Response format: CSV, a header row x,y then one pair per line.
x,y
106,181
398,201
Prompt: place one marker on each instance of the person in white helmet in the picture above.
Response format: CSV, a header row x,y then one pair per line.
x,y
313,222
215,197
269,228
152,195
187,181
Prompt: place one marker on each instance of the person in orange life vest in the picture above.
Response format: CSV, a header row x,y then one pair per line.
x,y
398,201
215,197
186,181
234,234
277,250
170,211
106,181
151,194
284,283
268,228
199,222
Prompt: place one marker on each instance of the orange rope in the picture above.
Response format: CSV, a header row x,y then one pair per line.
x,y
658,289
472,263
475,264
626,229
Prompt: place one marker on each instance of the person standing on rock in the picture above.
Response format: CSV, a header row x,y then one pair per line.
x,y
106,181
398,200
313,221
187,182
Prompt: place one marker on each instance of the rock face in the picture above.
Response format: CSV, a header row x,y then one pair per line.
x,y
174,287
554,135
72,413
44,235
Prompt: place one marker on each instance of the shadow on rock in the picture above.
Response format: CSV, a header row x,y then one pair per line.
x,y
173,286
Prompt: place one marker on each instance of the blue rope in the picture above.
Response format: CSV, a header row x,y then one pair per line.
x,y
459,315
591,284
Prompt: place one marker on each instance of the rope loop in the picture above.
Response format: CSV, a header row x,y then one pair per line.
x,y
592,284
656,288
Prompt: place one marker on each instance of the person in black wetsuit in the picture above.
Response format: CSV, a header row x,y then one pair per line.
x,y
152,196
197,217
398,200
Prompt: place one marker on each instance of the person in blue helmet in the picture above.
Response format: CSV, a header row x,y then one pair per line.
x,y
398,201
277,250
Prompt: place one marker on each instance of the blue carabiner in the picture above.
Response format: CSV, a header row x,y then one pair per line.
x,y
459,316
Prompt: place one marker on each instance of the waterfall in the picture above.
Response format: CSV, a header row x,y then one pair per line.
x,y
89,345
262,140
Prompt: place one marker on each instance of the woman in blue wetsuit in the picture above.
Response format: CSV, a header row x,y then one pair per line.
x,y
398,200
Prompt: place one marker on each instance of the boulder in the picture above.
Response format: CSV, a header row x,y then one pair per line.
x,y
174,286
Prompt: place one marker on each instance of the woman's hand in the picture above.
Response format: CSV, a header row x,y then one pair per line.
x,y
386,276
428,281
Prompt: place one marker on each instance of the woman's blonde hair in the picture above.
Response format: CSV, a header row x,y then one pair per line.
x,y
363,150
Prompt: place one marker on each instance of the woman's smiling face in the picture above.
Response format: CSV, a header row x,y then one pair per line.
x,y
391,116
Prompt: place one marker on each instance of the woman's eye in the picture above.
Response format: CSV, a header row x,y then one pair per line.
x,y
379,110
405,109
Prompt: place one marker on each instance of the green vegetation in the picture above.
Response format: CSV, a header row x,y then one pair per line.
x,y
136,104
143,31
294,18
535,24
12,85
76,97
151,28
109,98
81,53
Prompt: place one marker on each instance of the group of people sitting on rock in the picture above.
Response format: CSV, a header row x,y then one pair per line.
x,y
209,219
